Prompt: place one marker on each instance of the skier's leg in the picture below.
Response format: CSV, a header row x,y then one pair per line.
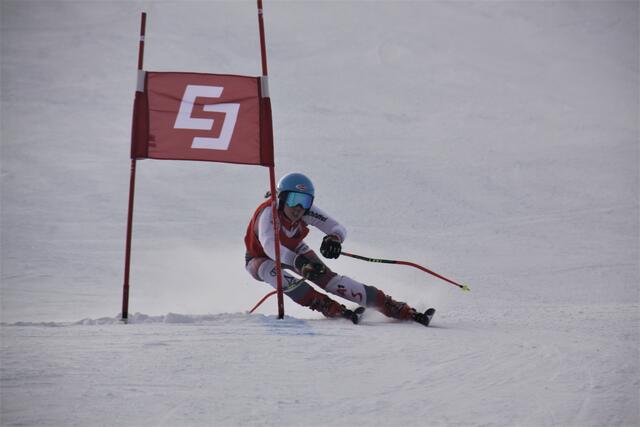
x,y
299,291
365,295
369,296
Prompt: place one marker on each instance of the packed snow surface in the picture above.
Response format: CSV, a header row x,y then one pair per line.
x,y
493,142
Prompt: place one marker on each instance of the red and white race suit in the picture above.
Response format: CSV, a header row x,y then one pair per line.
x,y
260,245
260,237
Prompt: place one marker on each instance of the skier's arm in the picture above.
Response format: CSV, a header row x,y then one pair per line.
x,y
267,239
328,225
335,232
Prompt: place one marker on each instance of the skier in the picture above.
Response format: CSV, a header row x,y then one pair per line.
x,y
296,211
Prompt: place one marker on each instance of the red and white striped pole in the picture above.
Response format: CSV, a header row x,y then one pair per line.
x,y
132,187
272,177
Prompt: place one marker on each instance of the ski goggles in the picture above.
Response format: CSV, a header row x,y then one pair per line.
x,y
294,199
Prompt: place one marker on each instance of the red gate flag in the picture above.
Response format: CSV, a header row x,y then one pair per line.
x,y
208,117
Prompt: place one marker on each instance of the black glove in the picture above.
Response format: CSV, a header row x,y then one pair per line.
x,y
309,269
331,247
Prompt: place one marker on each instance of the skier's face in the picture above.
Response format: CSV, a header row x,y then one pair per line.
x,y
294,213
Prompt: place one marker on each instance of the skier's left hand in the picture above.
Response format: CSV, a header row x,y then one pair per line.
x,y
309,269
331,247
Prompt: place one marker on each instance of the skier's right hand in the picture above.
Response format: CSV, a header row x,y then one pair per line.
x,y
309,269
331,247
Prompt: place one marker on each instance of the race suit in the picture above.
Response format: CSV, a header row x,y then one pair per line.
x,y
260,256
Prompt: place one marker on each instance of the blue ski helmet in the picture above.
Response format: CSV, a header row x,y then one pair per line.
x,y
294,186
297,182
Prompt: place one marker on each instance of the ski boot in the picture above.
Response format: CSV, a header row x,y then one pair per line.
x,y
402,311
331,308
396,309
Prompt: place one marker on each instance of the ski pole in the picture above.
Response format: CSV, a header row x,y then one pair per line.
x,y
411,264
262,300
272,293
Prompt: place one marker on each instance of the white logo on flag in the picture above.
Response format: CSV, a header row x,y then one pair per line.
x,y
185,121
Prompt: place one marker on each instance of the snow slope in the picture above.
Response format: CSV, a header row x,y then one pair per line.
x,y
494,142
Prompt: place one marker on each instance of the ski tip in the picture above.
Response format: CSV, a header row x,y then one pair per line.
x,y
357,315
429,315
465,288
425,318
354,315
